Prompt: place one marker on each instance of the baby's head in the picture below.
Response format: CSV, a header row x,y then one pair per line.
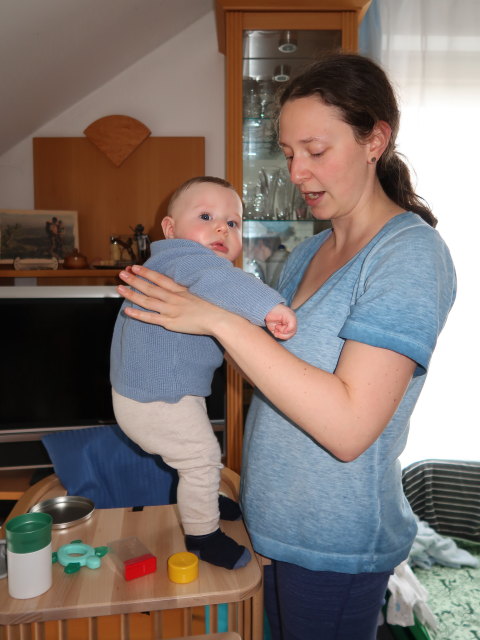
x,y
209,211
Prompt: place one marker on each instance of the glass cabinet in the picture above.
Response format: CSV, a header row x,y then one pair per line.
x,y
276,216
265,44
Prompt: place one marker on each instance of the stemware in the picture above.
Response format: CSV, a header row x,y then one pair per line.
x,y
279,202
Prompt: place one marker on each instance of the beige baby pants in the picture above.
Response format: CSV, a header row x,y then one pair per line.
x,y
181,433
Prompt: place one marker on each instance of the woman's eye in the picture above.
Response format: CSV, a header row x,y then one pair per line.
x,y
205,216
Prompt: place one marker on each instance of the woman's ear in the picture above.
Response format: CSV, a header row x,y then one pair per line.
x,y
168,227
379,139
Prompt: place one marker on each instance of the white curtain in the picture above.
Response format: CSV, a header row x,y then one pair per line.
x,y
431,51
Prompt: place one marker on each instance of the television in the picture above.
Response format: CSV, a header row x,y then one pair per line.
x,y
54,367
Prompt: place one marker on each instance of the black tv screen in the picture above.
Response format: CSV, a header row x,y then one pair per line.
x,y
55,354
55,366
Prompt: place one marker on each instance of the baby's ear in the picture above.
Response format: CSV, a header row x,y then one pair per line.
x,y
168,227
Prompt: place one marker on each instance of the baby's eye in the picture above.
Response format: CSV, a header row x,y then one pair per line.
x,y
232,224
205,216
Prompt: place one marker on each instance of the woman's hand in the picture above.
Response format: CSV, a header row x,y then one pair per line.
x,y
167,303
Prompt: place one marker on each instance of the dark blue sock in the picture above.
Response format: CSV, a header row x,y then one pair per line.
x,y
229,509
218,549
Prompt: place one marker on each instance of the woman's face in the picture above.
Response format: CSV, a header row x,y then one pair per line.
x,y
324,159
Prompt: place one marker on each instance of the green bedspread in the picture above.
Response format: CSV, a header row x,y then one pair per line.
x,y
454,597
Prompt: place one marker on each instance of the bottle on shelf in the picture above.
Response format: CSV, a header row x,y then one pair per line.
x,y
143,243
252,266
115,249
274,265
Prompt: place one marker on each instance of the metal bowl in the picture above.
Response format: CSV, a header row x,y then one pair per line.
x,y
66,511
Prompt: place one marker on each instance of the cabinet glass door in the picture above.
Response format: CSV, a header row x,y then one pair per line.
x,y
276,217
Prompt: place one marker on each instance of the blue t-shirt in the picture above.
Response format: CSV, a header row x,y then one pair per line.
x,y
301,504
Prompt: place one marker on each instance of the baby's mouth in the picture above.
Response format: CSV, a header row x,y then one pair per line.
x,y
219,246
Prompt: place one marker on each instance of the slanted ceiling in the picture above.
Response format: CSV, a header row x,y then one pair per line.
x,y
55,52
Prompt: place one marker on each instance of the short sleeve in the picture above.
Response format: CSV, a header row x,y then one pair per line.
x,y
405,292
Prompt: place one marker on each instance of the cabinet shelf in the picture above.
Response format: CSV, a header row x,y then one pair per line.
x,y
58,273
10,277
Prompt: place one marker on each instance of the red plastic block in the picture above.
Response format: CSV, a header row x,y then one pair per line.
x,y
132,558
141,566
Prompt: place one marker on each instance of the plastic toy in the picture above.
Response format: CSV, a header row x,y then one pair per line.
x,y
76,555
132,558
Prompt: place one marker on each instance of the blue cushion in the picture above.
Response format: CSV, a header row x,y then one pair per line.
x,y
103,464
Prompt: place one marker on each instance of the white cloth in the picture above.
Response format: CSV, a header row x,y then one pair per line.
x,y
408,597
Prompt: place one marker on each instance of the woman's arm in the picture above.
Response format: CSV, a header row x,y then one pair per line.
x,y
344,412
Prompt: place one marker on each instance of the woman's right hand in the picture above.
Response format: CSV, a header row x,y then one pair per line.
x,y
167,303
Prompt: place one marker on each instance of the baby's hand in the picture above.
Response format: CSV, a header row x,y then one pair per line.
x,y
281,321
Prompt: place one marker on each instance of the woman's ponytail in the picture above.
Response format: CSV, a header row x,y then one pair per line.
x,y
395,178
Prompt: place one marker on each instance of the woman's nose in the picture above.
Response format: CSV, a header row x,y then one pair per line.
x,y
298,171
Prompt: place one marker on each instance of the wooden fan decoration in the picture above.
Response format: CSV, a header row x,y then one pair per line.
x,y
117,136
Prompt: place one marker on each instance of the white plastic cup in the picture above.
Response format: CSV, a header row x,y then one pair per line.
x,y
29,555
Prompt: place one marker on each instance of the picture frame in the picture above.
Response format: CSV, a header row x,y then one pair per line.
x,y
37,234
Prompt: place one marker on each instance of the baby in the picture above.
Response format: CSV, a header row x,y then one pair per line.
x,y
160,378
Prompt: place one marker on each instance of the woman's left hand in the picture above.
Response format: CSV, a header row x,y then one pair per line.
x,y
166,303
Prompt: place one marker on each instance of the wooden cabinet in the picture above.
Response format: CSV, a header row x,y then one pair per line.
x,y
264,43
73,174
59,277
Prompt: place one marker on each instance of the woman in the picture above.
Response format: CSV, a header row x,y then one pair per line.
x,y
321,482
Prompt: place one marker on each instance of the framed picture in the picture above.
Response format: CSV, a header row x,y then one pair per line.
x,y
37,234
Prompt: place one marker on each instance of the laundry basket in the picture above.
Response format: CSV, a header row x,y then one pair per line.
x,y
446,495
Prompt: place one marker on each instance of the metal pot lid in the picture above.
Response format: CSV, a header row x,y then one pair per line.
x,y
66,511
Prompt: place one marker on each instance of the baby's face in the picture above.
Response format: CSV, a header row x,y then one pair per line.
x,y
211,215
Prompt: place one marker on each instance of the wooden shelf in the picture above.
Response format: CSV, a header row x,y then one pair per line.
x,y
59,273
45,277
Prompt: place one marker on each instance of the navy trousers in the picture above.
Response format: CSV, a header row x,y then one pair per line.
x,y
322,605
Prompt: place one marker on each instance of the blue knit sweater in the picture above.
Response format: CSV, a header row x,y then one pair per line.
x,y
149,363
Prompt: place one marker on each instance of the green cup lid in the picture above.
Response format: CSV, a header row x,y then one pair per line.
x,y
29,532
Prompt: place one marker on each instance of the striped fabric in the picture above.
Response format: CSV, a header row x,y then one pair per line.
x,y
446,495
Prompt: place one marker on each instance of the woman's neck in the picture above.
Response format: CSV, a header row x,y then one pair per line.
x,y
353,231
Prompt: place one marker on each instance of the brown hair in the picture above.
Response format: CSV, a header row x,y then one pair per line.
x,y
197,180
363,95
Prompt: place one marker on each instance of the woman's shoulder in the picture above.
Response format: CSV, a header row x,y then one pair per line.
x,y
405,248
408,224
408,232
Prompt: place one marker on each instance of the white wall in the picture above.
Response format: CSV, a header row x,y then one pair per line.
x,y
178,90
431,50
445,422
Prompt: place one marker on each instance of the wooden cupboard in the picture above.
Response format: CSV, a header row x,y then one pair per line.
x,y
265,42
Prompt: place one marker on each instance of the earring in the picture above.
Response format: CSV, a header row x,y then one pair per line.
x,y
373,160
